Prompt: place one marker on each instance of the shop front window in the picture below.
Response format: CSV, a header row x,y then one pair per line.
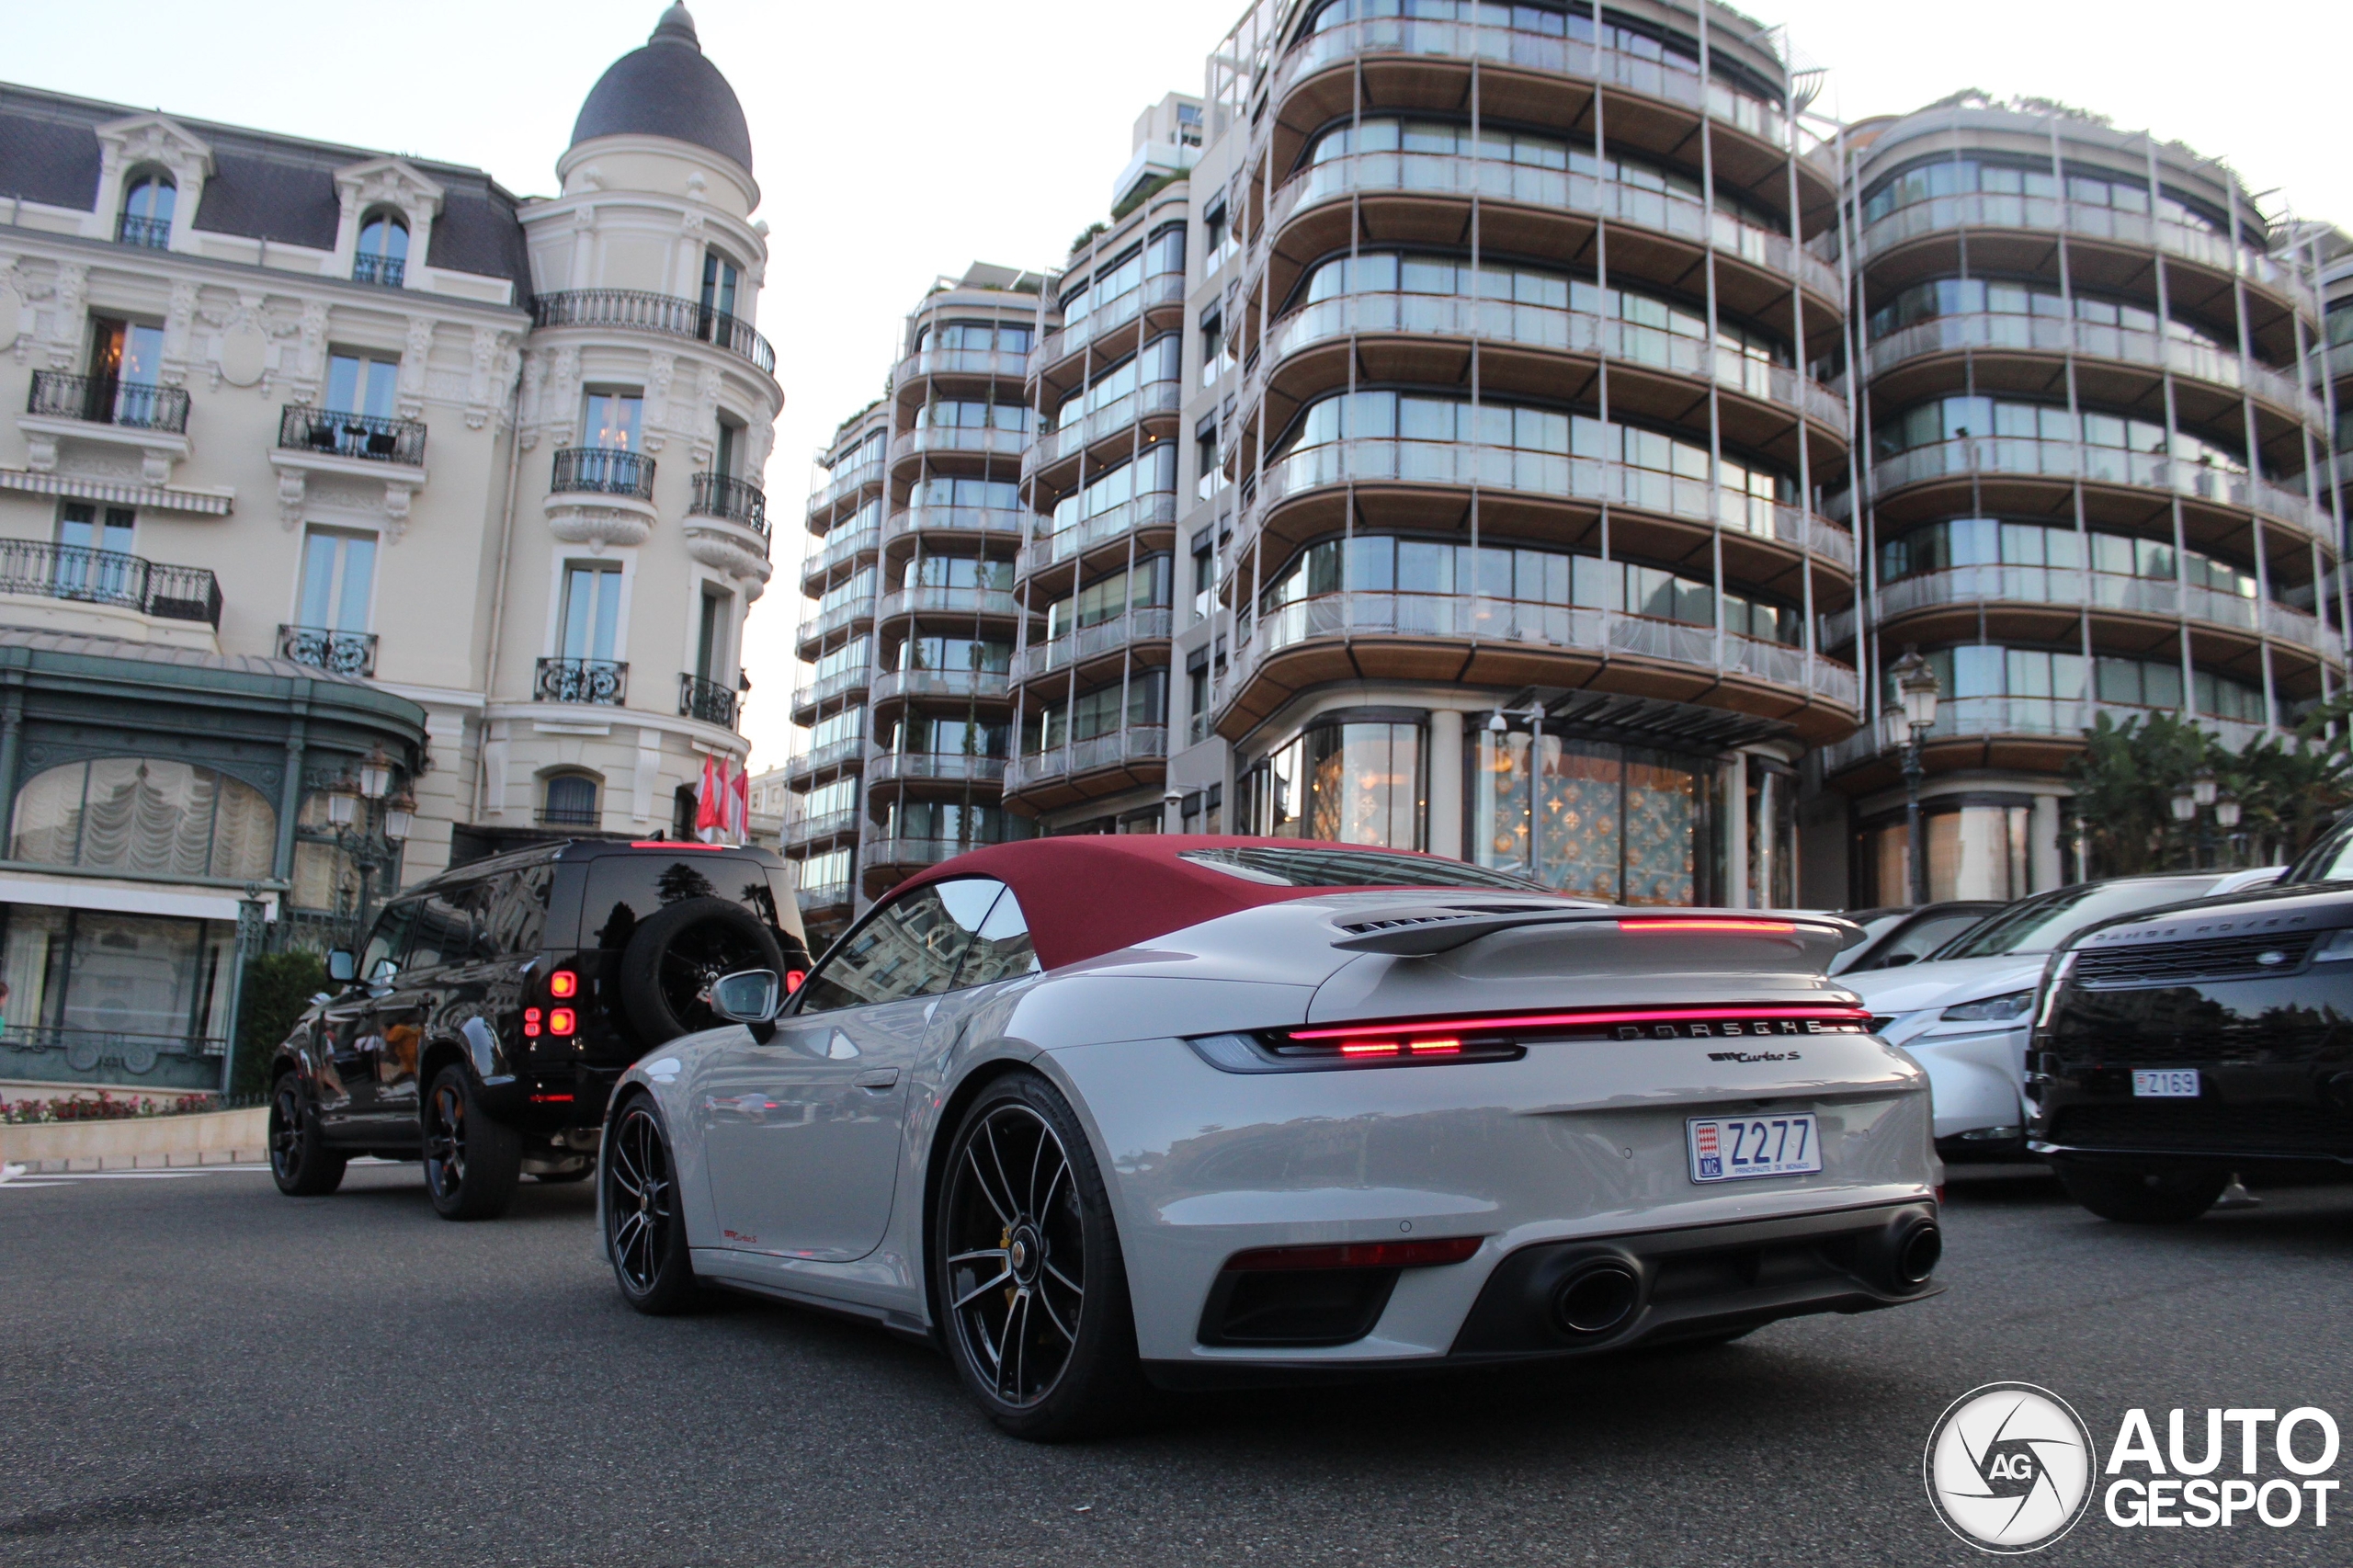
x,y
1353,783
96,997
1609,821
146,815
1975,851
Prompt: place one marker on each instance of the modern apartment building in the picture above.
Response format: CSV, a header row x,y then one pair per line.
x,y
2097,444
357,516
1530,432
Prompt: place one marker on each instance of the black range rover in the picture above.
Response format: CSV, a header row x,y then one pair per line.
x,y
483,1025
2174,1047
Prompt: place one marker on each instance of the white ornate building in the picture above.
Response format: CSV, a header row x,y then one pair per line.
x,y
340,431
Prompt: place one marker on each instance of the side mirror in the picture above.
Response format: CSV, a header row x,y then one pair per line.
x,y
749,996
343,967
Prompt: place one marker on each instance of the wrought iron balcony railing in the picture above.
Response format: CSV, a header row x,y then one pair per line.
x,y
101,576
637,310
387,271
735,500
108,399
149,233
301,428
601,682
603,470
707,701
344,653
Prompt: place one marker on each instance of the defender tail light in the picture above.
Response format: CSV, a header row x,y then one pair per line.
x,y
534,1023
564,985
563,1022
792,979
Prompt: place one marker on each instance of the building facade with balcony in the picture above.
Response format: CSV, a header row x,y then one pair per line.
x,y
316,453
1529,433
2094,466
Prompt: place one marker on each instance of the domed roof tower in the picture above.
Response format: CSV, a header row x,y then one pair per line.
x,y
668,89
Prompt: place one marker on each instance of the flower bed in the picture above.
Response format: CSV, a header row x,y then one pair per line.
x,y
105,1107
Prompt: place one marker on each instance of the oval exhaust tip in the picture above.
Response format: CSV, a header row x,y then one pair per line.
x,y
1598,1301
1922,1250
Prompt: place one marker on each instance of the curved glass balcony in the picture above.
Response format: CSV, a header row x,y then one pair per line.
x,y
2049,718
1567,627
1591,480
1162,289
1490,179
1149,625
993,602
823,758
840,549
1155,397
816,830
839,618
984,685
955,520
2094,340
840,684
846,484
1544,328
977,440
1144,512
1992,210
966,363
2030,457
913,853
1143,743
1396,36
2069,589
947,767
824,898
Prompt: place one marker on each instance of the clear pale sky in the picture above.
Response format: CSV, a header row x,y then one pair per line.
x,y
896,140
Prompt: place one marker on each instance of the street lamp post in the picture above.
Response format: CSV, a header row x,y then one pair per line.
x,y
1498,725
1916,715
370,823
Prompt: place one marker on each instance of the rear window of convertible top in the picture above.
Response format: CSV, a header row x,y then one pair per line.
x,y
1352,869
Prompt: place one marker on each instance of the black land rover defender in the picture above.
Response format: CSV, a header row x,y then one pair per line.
x,y
2173,1048
484,1024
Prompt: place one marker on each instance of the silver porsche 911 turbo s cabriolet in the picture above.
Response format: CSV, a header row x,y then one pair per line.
x,y
1101,1113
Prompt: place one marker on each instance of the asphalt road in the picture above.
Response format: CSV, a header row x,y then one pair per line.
x,y
198,1370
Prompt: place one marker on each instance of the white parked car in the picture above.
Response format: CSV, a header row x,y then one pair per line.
x,y
1965,1012
1090,1112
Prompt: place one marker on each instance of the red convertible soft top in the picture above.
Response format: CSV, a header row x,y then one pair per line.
x,y
1086,895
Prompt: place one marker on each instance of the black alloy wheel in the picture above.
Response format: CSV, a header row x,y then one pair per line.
x,y
300,1160
471,1160
1030,1282
643,1236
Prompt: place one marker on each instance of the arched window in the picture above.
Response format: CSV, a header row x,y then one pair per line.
x,y
571,801
383,250
147,203
145,814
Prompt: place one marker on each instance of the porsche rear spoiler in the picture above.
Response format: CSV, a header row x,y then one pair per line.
x,y
1420,933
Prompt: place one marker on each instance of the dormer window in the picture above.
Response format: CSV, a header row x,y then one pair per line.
x,y
147,206
383,250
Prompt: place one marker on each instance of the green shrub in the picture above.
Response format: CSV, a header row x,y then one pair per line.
x,y
278,987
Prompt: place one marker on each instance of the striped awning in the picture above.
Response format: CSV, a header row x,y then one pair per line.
x,y
210,502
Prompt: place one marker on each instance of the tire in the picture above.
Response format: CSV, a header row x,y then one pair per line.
x,y
471,1161
301,1160
2159,1196
673,956
1031,1288
645,1234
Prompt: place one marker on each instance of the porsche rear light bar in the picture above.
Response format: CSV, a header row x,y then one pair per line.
x,y
1439,1042
1713,926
